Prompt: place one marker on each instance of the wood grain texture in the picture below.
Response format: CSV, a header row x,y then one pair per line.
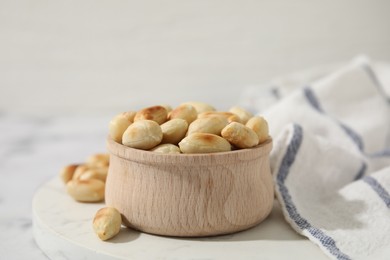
x,y
190,195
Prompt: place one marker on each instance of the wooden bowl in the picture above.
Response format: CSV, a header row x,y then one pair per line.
x,y
190,195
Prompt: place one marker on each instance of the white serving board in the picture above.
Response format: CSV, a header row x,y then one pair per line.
x,y
63,230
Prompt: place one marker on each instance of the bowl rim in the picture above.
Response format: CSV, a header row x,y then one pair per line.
x,y
150,157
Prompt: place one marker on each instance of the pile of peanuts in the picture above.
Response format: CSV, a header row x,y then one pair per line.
x,y
86,183
192,127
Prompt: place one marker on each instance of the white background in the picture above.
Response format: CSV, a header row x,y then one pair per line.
x,y
102,57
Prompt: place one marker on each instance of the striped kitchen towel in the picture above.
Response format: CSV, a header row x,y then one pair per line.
x,y
331,159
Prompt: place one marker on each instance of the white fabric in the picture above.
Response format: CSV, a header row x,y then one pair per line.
x,y
331,159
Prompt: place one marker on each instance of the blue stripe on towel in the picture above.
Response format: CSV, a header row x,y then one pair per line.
x,y
313,101
288,160
353,135
367,68
361,171
378,188
383,153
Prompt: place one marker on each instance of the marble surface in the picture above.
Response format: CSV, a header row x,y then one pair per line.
x,y
32,151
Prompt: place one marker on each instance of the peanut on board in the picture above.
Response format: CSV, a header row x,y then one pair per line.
x,y
174,130
156,113
98,160
204,143
94,173
166,148
186,112
260,126
142,134
240,135
82,168
243,114
107,223
211,125
91,190
119,124
67,172
200,107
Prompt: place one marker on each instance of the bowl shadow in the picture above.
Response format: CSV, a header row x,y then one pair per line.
x,y
125,235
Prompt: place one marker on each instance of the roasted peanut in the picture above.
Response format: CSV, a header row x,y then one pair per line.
x,y
67,172
243,114
186,112
174,130
80,169
86,190
260,126
228,115
240,135
204,143
234,118
142,134
94,173
211,125
166,148
119,124
200,107
156,113
107,223
167,107
98,160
